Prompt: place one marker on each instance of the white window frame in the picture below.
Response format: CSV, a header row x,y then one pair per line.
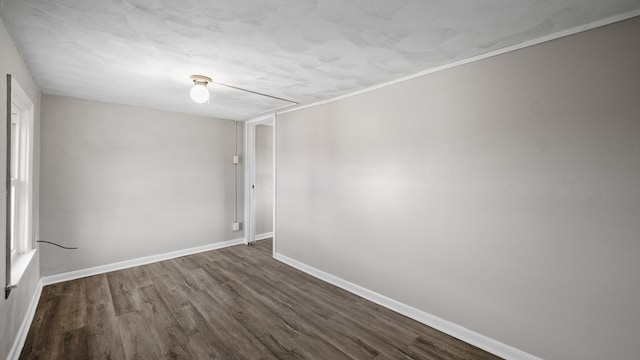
x,y
20,149
13,180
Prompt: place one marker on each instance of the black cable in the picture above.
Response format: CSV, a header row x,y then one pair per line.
x,y
58,245
254,92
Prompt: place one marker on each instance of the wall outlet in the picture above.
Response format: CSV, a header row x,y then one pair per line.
x,y
236,159
235,226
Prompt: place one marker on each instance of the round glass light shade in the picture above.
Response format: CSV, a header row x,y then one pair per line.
x,y
199,93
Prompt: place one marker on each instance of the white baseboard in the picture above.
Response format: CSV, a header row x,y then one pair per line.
x,y
72,275
21,337
264,236
471,337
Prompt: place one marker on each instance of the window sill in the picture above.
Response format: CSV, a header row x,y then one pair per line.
x,y
19,265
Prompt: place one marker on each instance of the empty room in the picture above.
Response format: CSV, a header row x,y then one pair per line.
x,y
320,179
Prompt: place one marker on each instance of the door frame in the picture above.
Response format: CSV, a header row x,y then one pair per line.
x,y
250,176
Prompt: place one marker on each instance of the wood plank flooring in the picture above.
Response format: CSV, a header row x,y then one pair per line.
x,y
233,303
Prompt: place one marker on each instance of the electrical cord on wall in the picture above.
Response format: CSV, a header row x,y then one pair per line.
x,y
10,286
58,245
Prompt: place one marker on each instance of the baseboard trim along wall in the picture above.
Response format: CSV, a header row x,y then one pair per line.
x,y
264,236
471,337
73,275
18,344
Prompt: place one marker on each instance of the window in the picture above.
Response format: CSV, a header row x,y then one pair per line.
x,y
19,233
13,179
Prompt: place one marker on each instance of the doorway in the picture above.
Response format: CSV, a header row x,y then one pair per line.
x,y
260,135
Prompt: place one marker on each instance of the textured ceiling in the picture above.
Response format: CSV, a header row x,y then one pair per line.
x,y
142,52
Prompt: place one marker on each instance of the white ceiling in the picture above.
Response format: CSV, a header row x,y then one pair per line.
x,y
142,52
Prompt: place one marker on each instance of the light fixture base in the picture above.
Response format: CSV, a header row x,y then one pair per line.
x,y
201,79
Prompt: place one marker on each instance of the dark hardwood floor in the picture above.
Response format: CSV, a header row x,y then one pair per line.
x,y
233,303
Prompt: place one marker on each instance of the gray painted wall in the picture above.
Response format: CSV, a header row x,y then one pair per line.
x,y
264,179
123,182
502,195
14,309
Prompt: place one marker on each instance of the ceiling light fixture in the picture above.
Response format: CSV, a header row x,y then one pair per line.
x,y
199,92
